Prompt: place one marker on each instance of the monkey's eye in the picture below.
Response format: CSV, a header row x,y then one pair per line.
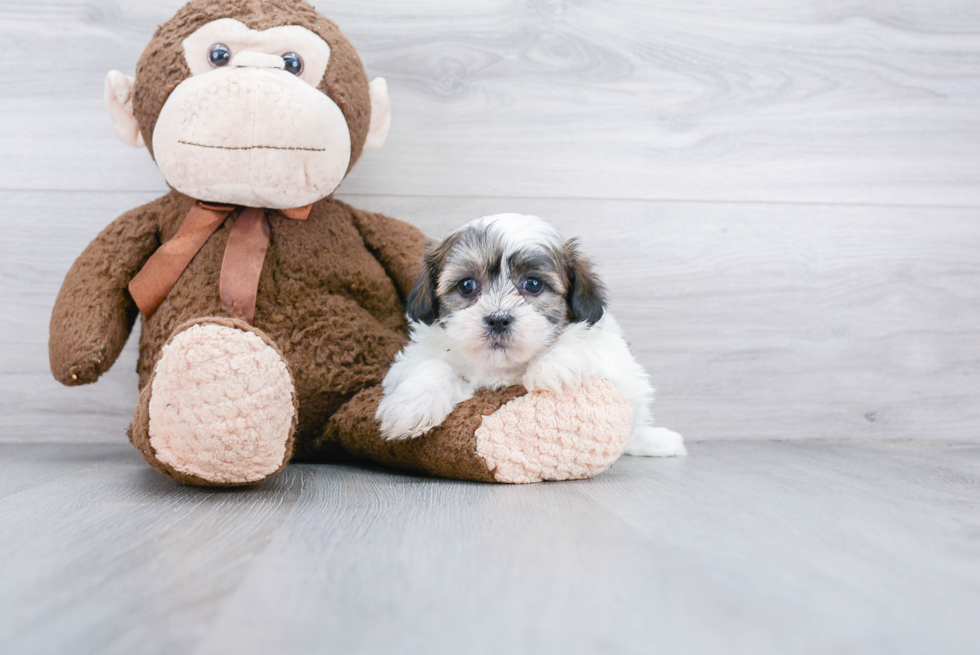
x,y
533,286
468,287
294,63
219,55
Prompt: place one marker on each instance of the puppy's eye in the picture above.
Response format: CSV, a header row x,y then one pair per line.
x,y
294,63
219,55
533,286
468,287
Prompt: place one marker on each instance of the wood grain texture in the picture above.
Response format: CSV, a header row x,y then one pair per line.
x,y
857,101
784,320
755,321
741,548
107,518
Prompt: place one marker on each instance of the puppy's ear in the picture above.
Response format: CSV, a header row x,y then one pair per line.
x,y
422,299
423,302
586,293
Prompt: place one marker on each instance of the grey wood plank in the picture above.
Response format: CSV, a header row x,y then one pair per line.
x,y
748,547
755,321
420,566
23,466
115,558
831,528
856,101
46,232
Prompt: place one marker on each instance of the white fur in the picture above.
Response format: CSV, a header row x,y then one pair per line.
x,y
518,230
445,363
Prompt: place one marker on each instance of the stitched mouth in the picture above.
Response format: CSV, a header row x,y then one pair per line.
x,y
202,145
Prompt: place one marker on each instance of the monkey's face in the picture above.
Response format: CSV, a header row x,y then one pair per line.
x,y
253,122
249,126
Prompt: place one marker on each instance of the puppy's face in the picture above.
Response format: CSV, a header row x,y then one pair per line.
x,y
504,287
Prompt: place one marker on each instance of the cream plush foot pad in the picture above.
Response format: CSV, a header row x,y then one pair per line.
x,y
221,405
548,436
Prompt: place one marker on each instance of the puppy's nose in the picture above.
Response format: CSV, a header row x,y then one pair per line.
x,y
498,322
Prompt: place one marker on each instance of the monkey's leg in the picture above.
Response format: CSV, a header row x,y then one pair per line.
x,y
501,436
220,408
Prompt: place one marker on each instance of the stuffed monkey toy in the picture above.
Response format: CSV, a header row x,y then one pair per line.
x,y
271,311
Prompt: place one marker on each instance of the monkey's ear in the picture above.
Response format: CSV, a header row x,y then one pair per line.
x,y
586,293
422,302
119,102
380,114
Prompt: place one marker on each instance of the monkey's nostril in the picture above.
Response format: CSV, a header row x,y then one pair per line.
x,y
498,322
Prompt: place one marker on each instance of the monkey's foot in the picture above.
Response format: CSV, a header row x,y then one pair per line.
x,y
220,408
549,436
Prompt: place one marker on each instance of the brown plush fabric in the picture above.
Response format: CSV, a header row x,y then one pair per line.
x,y
330,299
162,66
448,451
324,299
94,313
330,296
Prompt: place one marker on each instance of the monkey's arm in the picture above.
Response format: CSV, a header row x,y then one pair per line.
x,y
94,312
450,450
496,436
398,246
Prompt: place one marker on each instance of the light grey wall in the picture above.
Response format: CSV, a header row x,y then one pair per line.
x,y
782,196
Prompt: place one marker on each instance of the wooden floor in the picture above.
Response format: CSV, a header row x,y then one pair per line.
x,y
749,547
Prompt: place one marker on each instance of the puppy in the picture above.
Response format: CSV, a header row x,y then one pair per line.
x,y
503,301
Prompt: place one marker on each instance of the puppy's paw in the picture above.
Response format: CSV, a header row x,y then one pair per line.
x,y
554,374
648,441
410,411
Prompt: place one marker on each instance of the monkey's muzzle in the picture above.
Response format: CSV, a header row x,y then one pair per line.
x,y
257,137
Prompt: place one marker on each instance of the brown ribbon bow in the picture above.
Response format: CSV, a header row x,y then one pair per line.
x,y
240,268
